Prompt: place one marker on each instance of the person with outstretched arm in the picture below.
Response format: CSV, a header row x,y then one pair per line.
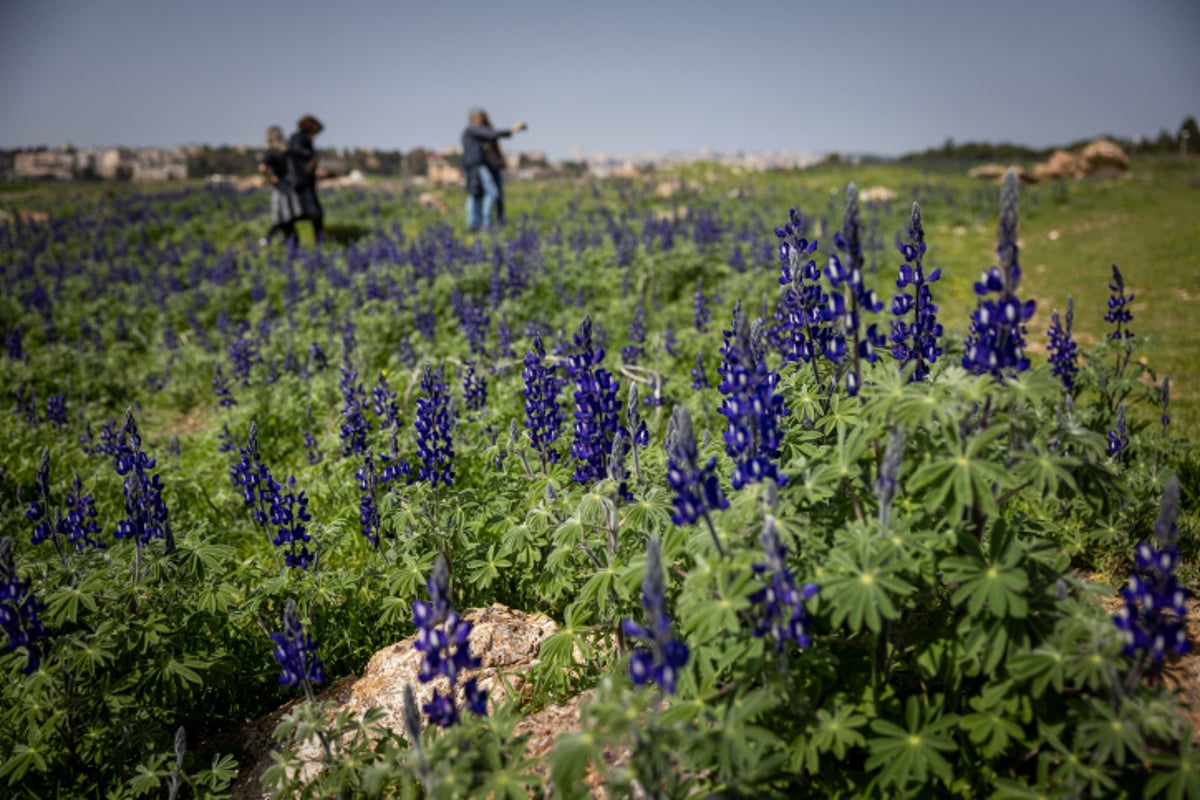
x,y
485,185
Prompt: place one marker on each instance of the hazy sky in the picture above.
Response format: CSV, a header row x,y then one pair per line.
x,y
608,75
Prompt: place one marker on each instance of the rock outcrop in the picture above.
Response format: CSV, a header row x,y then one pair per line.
x,y
506,641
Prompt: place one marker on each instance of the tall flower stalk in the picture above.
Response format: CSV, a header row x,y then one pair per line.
x,y
543,415
20,612
1063,358
752,407
443,639
851,299
1153,618
915,342
697,489
995,344
146,516
434,426
597,407
804,301
296,652
661,656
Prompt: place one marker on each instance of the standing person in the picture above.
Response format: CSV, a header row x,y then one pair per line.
x,y
285,205
302,169
484,182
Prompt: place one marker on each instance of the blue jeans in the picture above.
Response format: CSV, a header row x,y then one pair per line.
x,y
480,208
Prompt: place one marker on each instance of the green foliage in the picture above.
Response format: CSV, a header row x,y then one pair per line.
x,y
954,648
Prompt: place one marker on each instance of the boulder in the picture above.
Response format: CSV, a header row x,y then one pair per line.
x,y
506,641
1104,158
877,194
992,172
1060,166
433,202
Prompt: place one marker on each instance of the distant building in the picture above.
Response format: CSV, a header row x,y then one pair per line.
x,y
441,170
44,164
145,165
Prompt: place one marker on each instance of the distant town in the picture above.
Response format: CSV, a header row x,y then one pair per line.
x,y
239,162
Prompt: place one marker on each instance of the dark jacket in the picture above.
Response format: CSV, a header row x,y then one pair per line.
x,y
276,163
300,153
473,140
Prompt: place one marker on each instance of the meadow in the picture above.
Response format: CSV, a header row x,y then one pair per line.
x,y
792,545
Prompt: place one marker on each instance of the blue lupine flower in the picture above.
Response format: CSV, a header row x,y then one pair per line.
x,y
434,425
670,339
701,315
443,639
662,655
225,439
597,408
20,612
635,426
631,352
995,344
317,358
243,353
1166,403
1119,313
697,490
779,605
845,311
915,342
355,425
543,415
220,384
274,505
41,507
699,376
56,411
474,388
289,515
145,510
79,523
296,652
315,455
804,302
383,402
752,406
14,346
1062,347
1153,619
888,483
1118,438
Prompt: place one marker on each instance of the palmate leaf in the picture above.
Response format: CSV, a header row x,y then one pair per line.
x,y
484,571
892,400
651,512
1046,472
1045,666
863,592
991,730
845,414
907,755
1177,775
964,478
998,587
831,734
1110,734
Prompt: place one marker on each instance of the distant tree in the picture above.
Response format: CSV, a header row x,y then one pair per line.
x,y
573,169
1189,135
417,161
1165,143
